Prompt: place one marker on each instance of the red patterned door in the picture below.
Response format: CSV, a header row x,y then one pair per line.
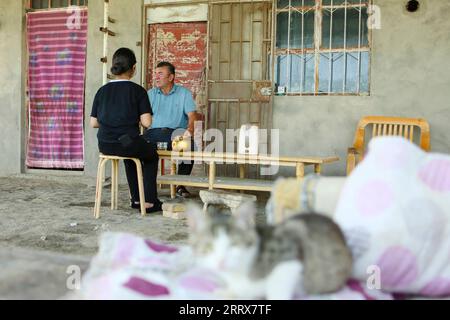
x,y
184,45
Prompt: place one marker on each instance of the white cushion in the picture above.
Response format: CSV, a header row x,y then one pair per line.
x,y
395,212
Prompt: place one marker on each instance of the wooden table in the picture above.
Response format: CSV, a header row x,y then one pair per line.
x,y
241,183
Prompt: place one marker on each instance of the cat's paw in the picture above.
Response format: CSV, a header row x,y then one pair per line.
x,y
284,280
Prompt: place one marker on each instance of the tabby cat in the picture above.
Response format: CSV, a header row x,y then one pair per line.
x,y
305,254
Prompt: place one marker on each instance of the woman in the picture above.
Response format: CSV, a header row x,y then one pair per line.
x,y
118,108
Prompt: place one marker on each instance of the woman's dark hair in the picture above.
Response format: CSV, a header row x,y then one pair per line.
x,y
123,61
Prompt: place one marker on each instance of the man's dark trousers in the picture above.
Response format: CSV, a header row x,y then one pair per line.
x,y
165,135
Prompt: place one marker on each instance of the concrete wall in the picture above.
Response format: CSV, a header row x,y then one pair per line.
x,y
128,28
11,86
410,77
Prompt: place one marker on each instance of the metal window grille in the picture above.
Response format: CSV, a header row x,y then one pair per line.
x,y
322,47
51,4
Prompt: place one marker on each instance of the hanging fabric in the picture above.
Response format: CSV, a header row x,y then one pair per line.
x,y
56,42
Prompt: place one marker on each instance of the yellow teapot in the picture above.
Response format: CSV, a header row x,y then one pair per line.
x,y
181,144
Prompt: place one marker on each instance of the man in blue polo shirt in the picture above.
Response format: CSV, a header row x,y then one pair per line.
x,y
173,113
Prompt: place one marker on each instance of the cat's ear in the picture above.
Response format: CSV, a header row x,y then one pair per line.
x,y
196,217
245,214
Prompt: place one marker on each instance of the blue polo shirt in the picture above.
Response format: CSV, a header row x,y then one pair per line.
x,y
170,111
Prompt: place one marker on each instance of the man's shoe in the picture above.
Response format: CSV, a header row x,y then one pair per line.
x,y
182,192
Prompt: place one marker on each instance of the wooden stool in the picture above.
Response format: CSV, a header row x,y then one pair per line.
x,y
103,159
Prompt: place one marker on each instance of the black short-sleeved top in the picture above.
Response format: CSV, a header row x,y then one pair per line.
x,y
118,106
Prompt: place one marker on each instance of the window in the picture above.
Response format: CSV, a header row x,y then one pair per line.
x,y
322,47
48,4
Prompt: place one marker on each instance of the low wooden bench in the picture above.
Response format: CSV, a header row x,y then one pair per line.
x,y
213,158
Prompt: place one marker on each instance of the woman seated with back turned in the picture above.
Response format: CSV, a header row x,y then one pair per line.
x,y
118,108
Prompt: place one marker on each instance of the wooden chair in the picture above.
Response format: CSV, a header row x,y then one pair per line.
x,y
386,126
103,159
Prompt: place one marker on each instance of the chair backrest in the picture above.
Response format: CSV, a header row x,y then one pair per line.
x,y
409,128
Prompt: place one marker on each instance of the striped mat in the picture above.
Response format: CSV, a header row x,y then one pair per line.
x,y
56,76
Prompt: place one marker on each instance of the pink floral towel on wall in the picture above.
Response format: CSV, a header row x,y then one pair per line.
x,y
56,74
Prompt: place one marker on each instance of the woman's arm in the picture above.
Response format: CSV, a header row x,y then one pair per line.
x,y
146,120
94,123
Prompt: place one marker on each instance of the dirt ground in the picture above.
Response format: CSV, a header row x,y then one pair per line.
x,y
49,220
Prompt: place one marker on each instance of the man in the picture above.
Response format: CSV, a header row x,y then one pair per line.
x,y
173,114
